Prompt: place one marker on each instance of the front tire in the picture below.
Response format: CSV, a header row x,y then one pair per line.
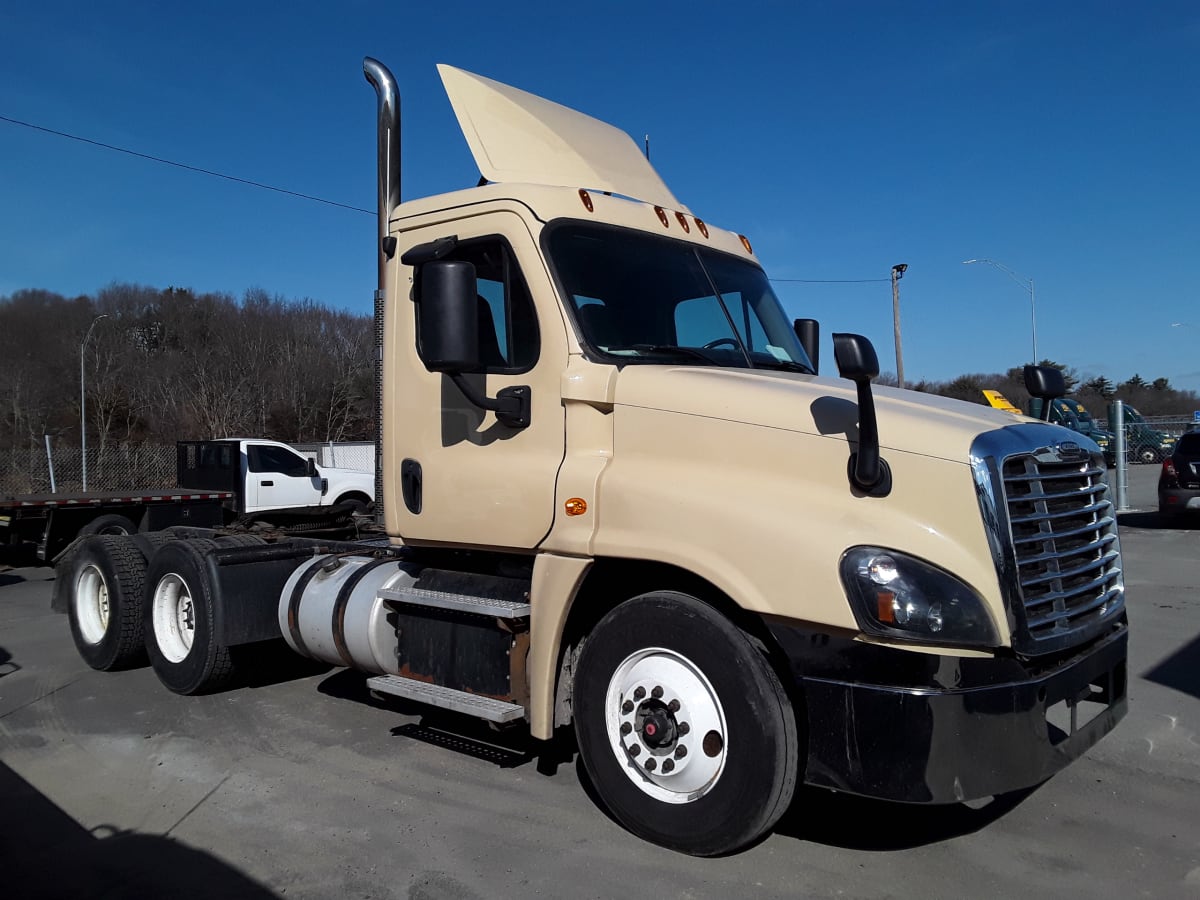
x,y
683,726
178,609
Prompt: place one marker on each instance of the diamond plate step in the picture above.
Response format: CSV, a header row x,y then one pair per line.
x,y
447,698
480,606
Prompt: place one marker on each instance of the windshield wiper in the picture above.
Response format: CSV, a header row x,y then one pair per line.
x,y
670,350
785,365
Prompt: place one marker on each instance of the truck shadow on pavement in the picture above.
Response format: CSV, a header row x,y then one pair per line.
x,y
822,816
47,854
1179,671
7,666
1156,521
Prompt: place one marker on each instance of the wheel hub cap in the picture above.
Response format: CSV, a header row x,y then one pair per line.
x,y
666,725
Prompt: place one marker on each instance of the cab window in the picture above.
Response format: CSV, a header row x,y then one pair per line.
x,y
276,459
508,332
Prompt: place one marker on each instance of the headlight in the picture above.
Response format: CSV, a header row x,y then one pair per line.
x,y
896,595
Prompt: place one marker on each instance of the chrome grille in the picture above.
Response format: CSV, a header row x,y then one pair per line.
x,y
1053,534
1064,536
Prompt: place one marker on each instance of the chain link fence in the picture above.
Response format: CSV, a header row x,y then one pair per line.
x,y
356,455
59,470
1152,439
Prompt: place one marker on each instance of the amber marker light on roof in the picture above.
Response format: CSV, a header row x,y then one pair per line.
x,y
586,198
683,222
662,216
703,228
576,506
746,244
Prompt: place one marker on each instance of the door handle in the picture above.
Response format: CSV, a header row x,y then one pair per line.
x,y
268,484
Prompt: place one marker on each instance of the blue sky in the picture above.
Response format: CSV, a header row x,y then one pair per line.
x,y
841,137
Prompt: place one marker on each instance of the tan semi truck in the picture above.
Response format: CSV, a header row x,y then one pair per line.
x,y
619,498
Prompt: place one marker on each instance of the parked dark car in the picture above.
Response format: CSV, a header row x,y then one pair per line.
x,y
1179,482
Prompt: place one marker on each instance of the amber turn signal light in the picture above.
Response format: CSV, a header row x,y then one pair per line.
x,y
576,506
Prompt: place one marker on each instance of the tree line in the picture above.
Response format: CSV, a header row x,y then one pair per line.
x,y
161,365
166,364
1150,398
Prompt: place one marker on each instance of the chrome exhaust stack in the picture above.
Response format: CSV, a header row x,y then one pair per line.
x,y
388,167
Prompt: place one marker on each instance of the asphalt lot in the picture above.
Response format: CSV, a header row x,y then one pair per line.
x,y
305,787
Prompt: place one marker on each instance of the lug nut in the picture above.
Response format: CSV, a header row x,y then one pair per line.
x,y
639,693
657,692
627,707
673,706
635,750
651,765
680,751
626,728
668,766
683,728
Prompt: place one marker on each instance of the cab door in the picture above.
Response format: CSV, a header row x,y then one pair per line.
x,y
278,478
458,475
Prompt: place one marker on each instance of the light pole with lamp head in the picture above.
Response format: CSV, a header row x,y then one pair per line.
x,y
1024,282
83,397
897,273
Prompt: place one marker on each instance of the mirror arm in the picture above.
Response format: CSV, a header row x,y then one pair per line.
x,y
511,404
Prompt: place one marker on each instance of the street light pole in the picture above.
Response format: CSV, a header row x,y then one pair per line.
x,y
83,397
897,274
1027,284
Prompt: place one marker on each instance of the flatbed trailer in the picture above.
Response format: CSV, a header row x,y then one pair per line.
x,y
53,521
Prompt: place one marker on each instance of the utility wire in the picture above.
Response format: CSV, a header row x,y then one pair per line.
x,y
179,165
278,190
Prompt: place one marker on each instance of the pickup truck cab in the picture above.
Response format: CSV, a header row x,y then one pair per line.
x,y
1146,444
268,475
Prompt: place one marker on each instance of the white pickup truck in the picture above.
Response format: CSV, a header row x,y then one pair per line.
x,y
269,475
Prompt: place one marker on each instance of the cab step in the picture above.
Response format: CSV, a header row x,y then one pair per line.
x,y
481,707
468,603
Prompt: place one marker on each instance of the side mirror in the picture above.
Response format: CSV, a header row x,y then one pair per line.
x,y
856,360
312,468
1044,383
449,316
808,332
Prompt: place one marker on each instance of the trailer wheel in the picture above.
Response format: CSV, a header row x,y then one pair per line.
x,y
683,726
180,629
105,583
109,524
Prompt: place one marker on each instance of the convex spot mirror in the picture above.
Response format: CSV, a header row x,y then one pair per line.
x,y
448,316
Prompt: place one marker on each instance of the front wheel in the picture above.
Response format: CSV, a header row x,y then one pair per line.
x,y
683,726
1147,455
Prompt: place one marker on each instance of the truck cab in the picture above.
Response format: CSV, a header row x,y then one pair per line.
x,y
1146,444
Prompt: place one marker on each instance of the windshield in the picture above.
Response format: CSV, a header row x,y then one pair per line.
x,y
641,298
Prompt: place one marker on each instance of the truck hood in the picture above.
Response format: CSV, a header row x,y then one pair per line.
x,y
909,421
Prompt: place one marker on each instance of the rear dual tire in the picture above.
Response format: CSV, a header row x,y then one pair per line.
x,y
105,610
181,628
